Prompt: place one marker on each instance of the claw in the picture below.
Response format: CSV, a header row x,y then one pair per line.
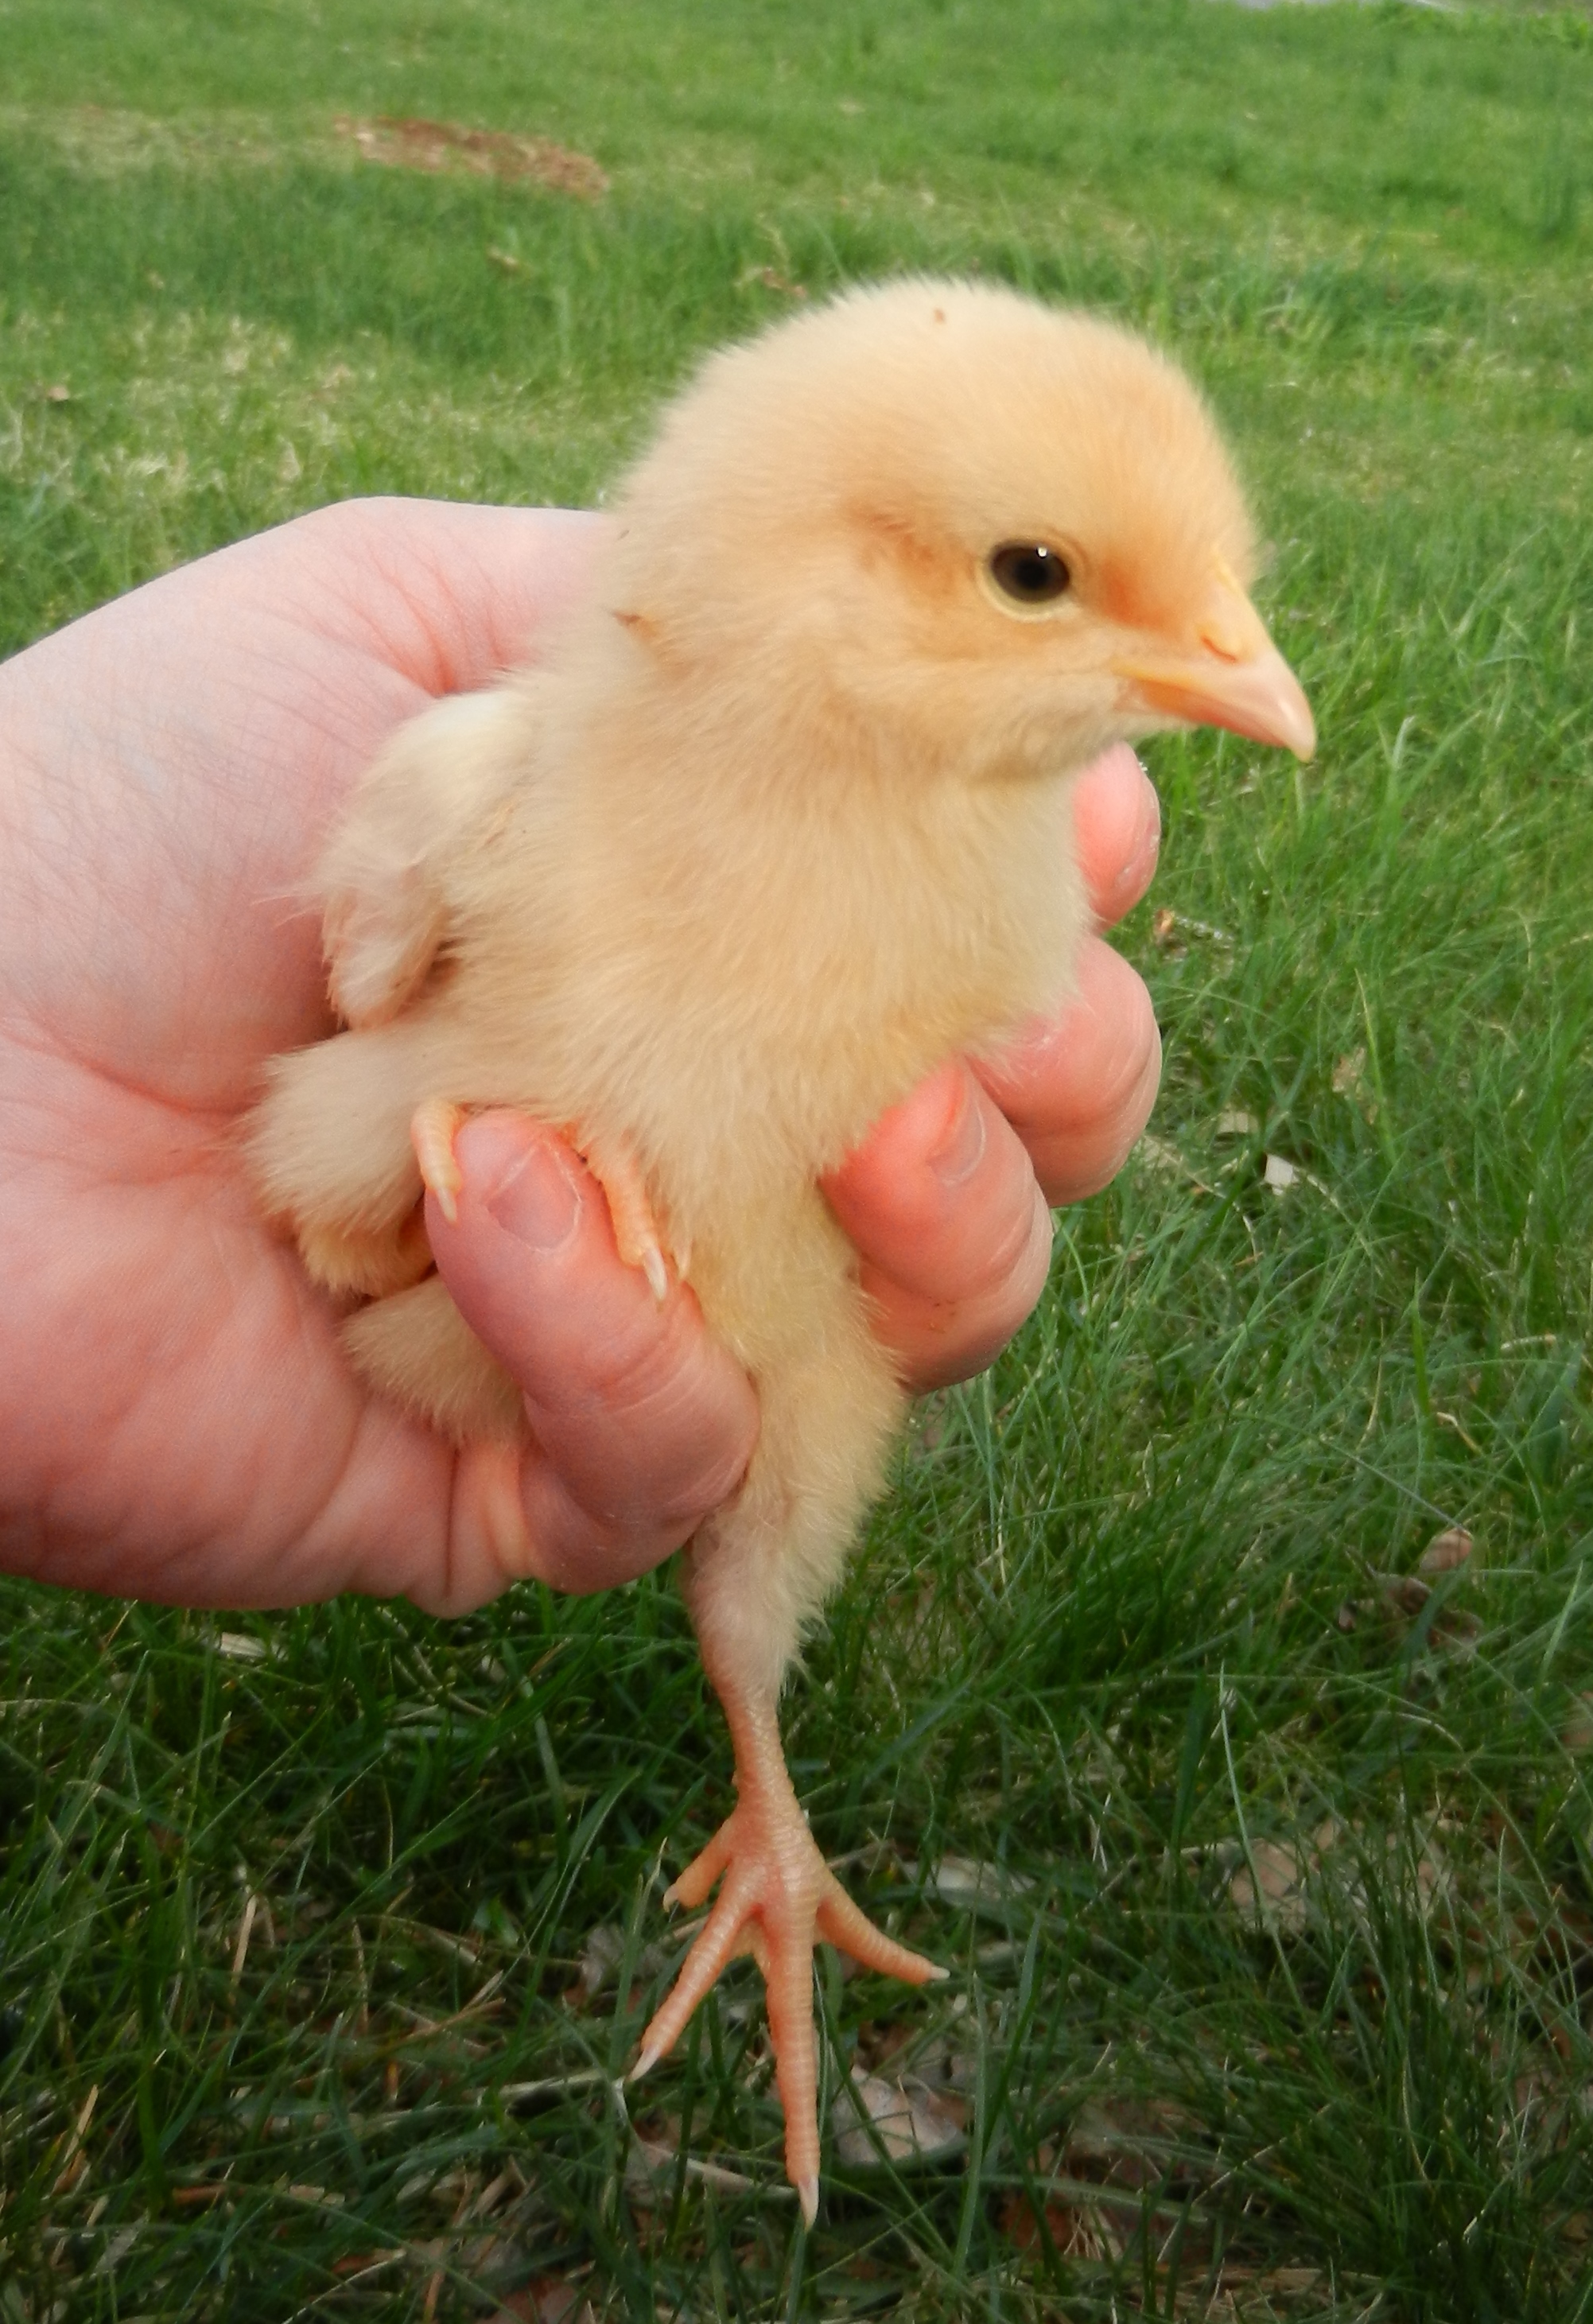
x,y
434,1125
614,1166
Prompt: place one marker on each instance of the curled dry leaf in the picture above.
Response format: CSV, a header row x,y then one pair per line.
x,y
961,1880
1406,1593
238,1646
909,2123
601,1957
1405,1596
1275,1893
1283,1871
1446,1551
1350,1080
1347,1073
551,2299
652,2164
946,2059
1126,2140
1072,2233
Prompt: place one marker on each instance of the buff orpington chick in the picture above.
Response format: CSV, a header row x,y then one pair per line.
x,y
782,822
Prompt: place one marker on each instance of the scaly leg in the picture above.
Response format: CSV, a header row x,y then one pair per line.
x,y
436,1125
779,1897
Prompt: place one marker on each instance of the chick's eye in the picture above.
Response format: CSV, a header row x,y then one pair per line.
x,y
1028,573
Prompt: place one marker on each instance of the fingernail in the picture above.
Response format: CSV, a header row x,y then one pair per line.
x,y
961,1149
536,1200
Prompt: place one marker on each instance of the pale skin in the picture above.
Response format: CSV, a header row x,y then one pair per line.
x,y
177,1419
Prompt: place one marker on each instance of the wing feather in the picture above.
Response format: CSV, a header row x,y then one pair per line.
x,y
383,883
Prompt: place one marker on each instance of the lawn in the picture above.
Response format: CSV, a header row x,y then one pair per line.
x,y
1214,1693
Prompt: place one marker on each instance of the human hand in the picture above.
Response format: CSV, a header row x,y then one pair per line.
x,y
177,1420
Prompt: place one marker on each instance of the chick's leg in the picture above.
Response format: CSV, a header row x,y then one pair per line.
x,y
753,1575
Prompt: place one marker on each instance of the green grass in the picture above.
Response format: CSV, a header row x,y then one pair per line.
x,y
1135,1628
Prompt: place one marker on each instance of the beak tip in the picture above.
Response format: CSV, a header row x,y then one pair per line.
x,y
1238,678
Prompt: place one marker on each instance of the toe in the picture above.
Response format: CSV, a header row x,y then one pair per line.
x,y
788,1976
845,1925
696,1884
719,1942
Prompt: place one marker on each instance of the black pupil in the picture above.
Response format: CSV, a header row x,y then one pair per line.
x,y
1029,572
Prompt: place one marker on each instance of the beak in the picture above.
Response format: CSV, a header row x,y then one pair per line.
x,y
1236,678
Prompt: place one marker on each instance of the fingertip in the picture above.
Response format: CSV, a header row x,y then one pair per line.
x,y
902,1144
935,1186
1086,1143
937,1341
503,1159
1117,819
1066,1073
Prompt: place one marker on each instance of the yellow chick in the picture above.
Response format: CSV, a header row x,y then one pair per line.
x,y
782,822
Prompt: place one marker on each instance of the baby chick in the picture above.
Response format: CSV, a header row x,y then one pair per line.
x,y
781,822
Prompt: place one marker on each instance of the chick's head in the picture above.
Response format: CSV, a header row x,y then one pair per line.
x,y
1000,535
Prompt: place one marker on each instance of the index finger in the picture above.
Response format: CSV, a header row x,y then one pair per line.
x,y
1118,820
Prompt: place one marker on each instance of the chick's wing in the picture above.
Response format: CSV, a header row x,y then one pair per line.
x,y
383,882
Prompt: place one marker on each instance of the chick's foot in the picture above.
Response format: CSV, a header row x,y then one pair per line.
x,y
779,1897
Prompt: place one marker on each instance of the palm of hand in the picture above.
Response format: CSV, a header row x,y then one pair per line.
x,y
178,1401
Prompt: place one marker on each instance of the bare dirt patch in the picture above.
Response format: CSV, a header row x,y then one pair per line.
x,y
435,146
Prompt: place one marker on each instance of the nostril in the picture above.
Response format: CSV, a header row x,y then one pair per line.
x,y
1220,641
